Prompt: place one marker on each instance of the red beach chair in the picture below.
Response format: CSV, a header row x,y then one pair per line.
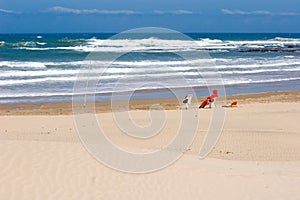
x,y
232,105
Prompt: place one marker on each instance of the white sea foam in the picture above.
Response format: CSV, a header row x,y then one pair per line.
x,y
289,56
19,64
258,65
23,44
37,73
248,80
37,80
12,64
113,74
41,94
125,88
260,71
225,66
276,80
162,45
287,39
41,43
127,71
205,43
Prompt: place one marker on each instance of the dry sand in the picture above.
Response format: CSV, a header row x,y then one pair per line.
x,y
256,157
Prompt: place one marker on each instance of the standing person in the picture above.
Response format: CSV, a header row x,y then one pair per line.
x,y
187,101
210,100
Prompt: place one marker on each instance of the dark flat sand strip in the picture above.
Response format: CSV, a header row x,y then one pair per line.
x,y
65,108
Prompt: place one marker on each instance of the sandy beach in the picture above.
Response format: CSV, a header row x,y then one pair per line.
x,y
256,157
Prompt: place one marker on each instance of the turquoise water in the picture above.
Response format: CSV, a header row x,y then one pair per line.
x,y
43,67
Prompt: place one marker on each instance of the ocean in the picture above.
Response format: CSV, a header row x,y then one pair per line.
x,y
39,68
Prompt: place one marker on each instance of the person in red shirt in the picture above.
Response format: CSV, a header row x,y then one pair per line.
x,y
210,100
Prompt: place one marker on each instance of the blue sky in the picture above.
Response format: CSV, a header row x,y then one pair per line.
x,y
48,16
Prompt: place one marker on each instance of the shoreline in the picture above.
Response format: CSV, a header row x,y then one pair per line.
x,y
65,108
156,93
